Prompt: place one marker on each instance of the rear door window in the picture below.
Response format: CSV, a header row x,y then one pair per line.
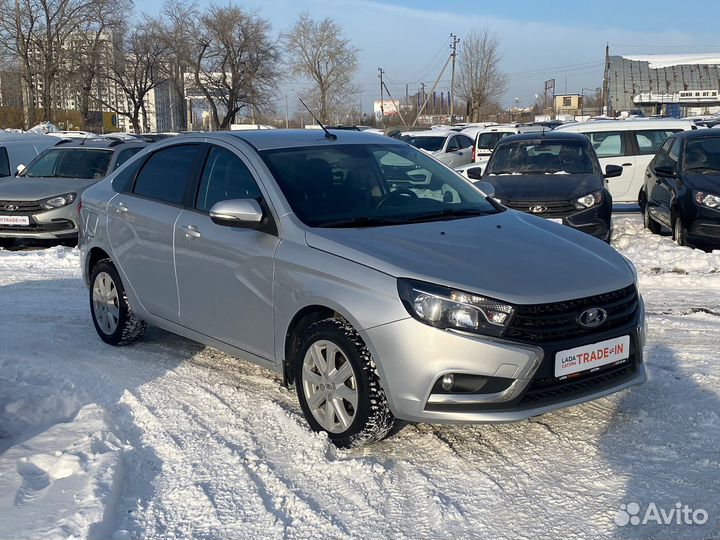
x,y
608,143
4,163
166,173
649,141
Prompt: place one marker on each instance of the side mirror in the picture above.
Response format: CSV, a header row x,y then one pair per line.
x,y
664,170
486,187
451,149
613,171
237,213
475,173
20,169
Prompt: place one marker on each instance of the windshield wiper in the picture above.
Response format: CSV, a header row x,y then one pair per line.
x,y
449,213
362,221
500,172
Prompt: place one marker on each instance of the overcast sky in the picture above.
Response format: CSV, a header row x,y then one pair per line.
x,y
539,40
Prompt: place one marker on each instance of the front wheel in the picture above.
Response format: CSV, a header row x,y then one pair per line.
x,y
648,222
338,385
679,232
114,321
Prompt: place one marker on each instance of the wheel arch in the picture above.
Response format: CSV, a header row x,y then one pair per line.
x,y
94,256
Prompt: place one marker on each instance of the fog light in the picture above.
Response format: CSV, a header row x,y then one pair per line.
x,y
448,381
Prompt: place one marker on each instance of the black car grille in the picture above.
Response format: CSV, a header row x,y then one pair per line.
x,y
23,208
557,321
553,209
551,390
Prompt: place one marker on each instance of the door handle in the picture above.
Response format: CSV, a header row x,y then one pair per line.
x,y
627,164
191,231
120,207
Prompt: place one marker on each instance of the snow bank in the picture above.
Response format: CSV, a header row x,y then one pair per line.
x,y
58,458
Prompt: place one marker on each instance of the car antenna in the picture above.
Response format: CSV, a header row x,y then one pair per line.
x,y
328,135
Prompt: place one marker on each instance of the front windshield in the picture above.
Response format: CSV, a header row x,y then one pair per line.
x,y
353,185
702,155
431,144
542,157
488,141
91,163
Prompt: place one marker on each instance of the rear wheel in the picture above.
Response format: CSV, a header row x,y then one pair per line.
x,y
648,222
114,321
679,232
338,386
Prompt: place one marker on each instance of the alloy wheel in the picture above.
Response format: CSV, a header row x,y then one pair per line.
x,y
106,303
330,386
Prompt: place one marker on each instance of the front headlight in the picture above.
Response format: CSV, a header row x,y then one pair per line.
x,y
589,200
58,201
709,200
443,307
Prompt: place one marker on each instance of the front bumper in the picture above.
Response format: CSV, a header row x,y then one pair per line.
x,y
57,224
413,357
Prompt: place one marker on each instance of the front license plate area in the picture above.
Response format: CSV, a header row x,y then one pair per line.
x,y
591,356
21,221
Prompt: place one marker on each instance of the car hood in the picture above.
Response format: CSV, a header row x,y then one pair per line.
x,y
510,256
33,189
544,187
704,182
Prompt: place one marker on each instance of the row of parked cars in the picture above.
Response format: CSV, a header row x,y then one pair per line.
x,y
576,172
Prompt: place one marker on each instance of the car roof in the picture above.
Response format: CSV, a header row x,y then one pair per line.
x,y
431,133
267,139
697,134
99,144
626,125
25,137
546,136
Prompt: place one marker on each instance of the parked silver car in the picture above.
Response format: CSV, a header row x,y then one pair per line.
x,y
447,146
41,202
378,281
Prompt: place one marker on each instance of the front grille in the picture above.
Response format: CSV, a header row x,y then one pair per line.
x,y
551,390
58,225
555,209
542,323
23,207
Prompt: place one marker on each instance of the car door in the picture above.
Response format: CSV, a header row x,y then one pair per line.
x,y
225,274
664,186
451,156
141,224
612,148
647,143
464,154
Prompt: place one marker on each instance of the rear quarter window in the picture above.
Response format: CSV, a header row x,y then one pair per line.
x,y
4,163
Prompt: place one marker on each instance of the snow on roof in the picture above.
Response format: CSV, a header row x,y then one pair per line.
x,y
659,61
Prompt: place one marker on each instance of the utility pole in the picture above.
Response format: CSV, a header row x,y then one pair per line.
x,y
287,113
381,72
453,54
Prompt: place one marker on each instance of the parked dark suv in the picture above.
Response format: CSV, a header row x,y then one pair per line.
x,y
682,188
555,176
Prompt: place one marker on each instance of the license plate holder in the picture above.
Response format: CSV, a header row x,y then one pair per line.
x,y
593,355
18,221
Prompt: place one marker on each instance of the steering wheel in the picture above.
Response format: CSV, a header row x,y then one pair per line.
x,y
398,193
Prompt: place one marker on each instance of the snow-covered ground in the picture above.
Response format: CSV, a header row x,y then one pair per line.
x,y
168,439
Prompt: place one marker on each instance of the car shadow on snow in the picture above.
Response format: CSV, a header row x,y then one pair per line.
x,y
52,364
663,441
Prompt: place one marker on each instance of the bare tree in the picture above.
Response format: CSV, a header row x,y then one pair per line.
x,y
318,52
175,27
235,62
92,49
135,71
480,80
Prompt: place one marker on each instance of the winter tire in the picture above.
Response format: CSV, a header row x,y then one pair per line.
x,y
338,385
679,232
114,321
648,222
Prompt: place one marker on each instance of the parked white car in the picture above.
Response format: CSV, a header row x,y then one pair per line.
x,y
449,147
487,139
631,144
